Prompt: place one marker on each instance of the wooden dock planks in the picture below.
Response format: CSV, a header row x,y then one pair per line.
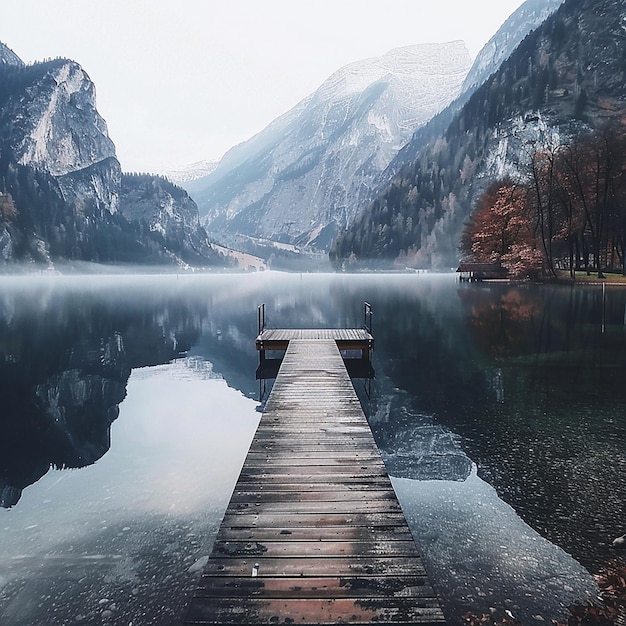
x,y
336,334
345,338
314,533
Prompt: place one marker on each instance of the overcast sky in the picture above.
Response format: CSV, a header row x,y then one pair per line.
x,y
180,81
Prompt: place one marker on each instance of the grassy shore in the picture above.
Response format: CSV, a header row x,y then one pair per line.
x,y
581,277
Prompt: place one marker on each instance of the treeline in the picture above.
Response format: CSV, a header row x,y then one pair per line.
x,y
569,214
133,179
43,225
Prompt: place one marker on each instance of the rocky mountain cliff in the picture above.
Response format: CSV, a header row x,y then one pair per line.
x,y
60,181
524,20
305,176
565,77
168,214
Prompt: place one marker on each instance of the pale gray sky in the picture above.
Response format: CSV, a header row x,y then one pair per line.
x,y
180,81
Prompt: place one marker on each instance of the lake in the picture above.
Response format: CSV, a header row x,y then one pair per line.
x,y
129,403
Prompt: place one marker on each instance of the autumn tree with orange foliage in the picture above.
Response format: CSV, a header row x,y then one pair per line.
x,y
569,213
501,231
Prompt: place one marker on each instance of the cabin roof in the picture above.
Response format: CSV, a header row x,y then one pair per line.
x,y
481,267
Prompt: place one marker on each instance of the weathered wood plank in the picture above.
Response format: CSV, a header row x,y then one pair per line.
x,y
358,451
323,533
277,496
318,611
315,472
315,566
313,437
353,506
257,460
308,549
283,483
295,519
320,587
313,475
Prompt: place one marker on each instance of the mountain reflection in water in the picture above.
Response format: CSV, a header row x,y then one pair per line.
x,y
477,550
498,410
65,364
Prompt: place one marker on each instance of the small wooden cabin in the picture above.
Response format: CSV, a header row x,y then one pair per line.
x,y
473,272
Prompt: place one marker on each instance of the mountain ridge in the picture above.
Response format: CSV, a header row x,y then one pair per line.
x,y
276,185
526,18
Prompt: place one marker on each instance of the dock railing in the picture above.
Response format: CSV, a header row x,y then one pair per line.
x,y
349,341
367,317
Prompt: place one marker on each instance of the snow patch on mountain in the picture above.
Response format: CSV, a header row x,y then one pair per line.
x,y
403,64
189,173
524,20
308,173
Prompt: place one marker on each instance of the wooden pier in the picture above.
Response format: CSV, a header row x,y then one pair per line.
x,y
355,345
314,533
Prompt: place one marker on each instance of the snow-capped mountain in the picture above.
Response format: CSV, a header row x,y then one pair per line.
x,y
509,36
306,175
529,16
191,172
564,79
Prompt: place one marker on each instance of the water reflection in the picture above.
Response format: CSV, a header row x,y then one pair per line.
x,y
491,403
552,442
548,325
482,556
65,360
526,382
412,444
531,382
478,552
68,345
123,540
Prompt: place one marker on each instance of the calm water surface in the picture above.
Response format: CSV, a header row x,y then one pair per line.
x,y
129,402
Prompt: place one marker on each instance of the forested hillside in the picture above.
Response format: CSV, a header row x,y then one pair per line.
x,y
565,79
